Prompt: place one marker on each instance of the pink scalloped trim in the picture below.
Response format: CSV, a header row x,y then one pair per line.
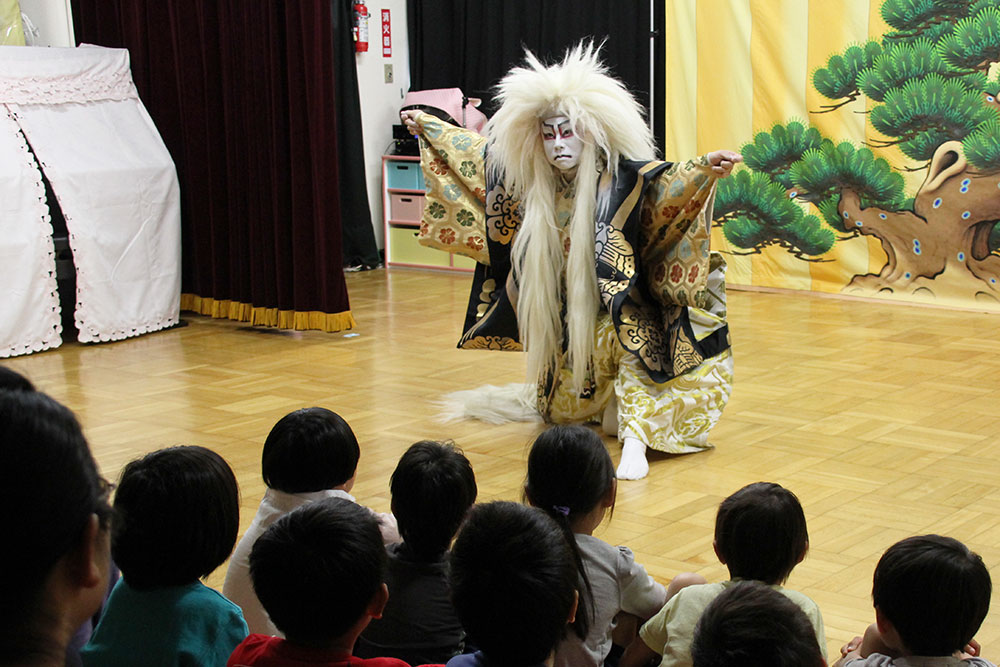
x,y
68,89
91,335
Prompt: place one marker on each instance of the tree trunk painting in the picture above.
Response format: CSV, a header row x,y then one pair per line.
x,y
944,236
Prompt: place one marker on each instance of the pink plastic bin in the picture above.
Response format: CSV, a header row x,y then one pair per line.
x,y
406,208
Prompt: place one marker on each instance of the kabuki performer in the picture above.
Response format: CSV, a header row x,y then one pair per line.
x,y
593,256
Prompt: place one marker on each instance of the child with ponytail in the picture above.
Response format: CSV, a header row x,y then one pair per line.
x,y
571,477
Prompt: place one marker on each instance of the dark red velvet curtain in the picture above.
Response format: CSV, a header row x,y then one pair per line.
x,y
243,93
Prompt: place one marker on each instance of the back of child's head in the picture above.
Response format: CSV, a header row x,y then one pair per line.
x,y
50,489
177,514
316,570
760,532
312,449
569,471
934,591
513,582
432,487
750,623
11,380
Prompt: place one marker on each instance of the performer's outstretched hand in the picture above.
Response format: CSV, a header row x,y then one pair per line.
x,y
722,161
409,118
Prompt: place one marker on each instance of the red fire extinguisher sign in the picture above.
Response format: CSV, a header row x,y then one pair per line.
x,y
386,34
360,26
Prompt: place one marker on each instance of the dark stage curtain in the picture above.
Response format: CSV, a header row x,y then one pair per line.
x,y
471,44
250,99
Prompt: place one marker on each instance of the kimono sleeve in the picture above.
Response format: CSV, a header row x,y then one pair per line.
x,y
675,232
452,160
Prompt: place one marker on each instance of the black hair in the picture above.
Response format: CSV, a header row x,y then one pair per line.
x,y
316,569
177,512
569,474
312,449
750,623
50,486
11,380
760,532
934,591
513,582
432,487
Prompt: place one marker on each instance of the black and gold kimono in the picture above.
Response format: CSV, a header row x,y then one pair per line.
x,y
661,342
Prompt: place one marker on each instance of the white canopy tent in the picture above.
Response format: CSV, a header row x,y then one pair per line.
x,y
116,186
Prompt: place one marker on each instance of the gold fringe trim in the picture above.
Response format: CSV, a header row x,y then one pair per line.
x,y
268,317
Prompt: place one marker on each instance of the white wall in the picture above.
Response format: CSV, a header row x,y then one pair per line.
x,y
54,21
380,101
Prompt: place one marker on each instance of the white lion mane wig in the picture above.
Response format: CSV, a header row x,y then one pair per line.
x,y
610,122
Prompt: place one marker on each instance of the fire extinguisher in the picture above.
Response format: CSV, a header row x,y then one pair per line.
x,y
360,26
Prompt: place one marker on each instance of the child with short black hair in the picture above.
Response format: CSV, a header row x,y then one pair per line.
x,y
750,623
11,380
176,515
318,571
309,454
761,535
571,478
931,594
514,585
432,487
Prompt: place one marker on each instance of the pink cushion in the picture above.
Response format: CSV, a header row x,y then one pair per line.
x,y
448,100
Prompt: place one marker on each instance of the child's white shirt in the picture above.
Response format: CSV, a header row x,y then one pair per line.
x,y
671,631
274,505
618,584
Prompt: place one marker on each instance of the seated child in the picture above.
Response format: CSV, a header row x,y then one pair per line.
x,y
571,478
433,487
514,585
176,514
931,594
760,534
11,380
750,623
318,573
56,528
309,454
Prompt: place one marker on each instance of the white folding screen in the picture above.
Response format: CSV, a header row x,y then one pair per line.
x,y
115,183
29,304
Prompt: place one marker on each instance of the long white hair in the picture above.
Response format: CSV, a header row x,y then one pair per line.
x,y
610,122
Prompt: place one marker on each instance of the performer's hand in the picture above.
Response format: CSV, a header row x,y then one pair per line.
x,y
409,119
722,161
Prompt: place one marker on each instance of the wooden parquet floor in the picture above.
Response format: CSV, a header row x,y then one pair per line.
x,y
883,419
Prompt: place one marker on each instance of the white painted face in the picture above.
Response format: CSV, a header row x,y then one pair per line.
x,y
562,146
